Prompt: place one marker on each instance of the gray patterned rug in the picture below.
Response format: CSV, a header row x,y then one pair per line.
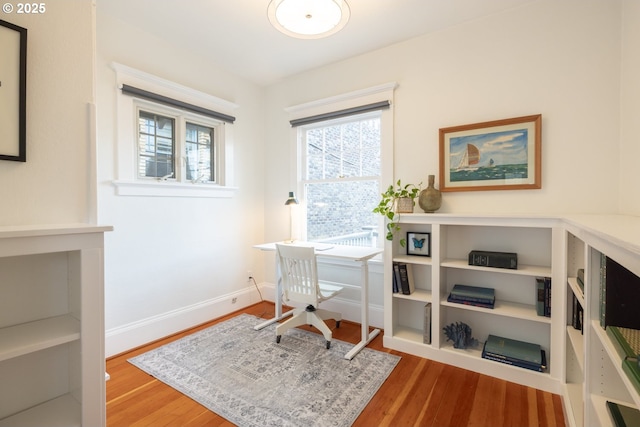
x,y
244,376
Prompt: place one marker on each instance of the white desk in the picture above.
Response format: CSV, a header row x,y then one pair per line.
x,y
353,253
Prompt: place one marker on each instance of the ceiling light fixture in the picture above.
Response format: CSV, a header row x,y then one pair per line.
x,y
308,19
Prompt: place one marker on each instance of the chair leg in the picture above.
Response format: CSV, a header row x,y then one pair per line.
x,y
321,326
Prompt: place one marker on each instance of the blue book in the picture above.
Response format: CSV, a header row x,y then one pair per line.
x,y
473,293
539,367
513,349
463,300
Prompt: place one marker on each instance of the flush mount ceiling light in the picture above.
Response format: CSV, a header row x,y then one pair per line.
x,y
308,19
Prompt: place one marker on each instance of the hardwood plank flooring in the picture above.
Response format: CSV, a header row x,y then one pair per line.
x,y
419,392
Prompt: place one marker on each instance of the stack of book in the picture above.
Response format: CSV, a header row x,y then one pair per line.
x,y
472,295
403,278
543,303
577,314
517,353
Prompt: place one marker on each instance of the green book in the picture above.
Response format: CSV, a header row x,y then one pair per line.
x,y
477,292
633,372
513,349
623,416
618,335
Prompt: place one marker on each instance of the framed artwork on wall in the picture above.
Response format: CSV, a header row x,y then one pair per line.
x,y
496,155
418,243
13,92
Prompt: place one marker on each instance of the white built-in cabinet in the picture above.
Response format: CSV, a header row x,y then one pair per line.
x,y
585,369
594,373
52,364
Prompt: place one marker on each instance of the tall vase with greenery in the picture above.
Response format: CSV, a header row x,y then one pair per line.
x,y
388,206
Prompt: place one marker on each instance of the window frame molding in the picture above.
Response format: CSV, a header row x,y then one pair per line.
x,y
383,92
127,182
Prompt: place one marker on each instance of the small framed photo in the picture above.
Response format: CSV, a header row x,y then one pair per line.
x,y
419,243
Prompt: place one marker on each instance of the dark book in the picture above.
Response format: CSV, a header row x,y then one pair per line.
x,y
580,279
631,368
453,299
623,416
603,289
513,349
406,278
547,296
577,315
473,293
540,297
621,296
426,338
396,277
539,367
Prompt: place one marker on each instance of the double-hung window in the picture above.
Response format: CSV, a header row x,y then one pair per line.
x,y
344,148
341,171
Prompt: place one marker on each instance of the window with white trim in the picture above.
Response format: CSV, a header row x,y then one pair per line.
x,y
344,149
171,140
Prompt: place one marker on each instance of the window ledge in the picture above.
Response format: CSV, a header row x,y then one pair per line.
x,y
172,189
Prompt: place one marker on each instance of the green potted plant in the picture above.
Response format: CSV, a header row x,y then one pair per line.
x,y
391,204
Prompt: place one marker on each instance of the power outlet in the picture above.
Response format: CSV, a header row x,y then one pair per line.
x,y
234,300
249,275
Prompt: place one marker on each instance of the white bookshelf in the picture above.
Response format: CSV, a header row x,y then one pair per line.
x,y
52,326
584,367
536,240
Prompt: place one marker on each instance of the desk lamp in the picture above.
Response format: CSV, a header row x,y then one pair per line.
x,y
290,202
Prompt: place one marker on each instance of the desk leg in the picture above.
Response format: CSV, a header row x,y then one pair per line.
x,y
366,337
279,315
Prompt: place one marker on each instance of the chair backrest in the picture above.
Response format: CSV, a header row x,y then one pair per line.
x,y
299,271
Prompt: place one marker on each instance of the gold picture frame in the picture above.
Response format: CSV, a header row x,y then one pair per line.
x,y
495,155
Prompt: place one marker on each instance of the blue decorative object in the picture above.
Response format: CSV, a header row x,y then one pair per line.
x,y
460,334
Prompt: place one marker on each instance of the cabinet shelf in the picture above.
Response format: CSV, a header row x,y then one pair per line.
x,y
38,335
420,295
576,289
576,340
412,259
504,308
63,411
523,270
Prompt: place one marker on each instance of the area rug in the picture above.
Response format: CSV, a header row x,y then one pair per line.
x,y
244,376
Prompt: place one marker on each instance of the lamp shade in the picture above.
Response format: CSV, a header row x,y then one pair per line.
x,y
308,19
292,199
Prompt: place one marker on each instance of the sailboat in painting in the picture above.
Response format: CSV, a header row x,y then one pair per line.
x,y
470,158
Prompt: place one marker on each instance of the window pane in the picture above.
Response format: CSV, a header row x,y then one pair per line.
x,y
200,153
342,209
156,145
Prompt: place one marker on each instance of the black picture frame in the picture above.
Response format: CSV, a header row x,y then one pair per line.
x,y
13,92
418,243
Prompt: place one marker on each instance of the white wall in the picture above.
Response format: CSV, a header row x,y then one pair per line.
x,y
172,263
630,106
559,59
54,185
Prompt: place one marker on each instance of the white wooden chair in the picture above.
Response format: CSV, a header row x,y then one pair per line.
x,y
299,272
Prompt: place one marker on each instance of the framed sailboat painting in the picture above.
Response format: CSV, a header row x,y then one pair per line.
x,y
496,155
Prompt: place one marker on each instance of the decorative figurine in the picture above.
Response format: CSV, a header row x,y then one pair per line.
x,y
460,334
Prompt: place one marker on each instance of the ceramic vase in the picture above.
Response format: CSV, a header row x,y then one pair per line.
x,y
430,198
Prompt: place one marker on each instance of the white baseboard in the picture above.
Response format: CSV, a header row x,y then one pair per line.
x,y
135,334
123,338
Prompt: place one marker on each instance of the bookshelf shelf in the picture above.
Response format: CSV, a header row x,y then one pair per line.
x,y
575,288
421,295
523,270
504,308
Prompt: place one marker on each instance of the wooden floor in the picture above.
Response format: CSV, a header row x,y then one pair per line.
x,y
419,392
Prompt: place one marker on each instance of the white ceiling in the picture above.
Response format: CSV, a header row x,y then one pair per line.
x,y
237,33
